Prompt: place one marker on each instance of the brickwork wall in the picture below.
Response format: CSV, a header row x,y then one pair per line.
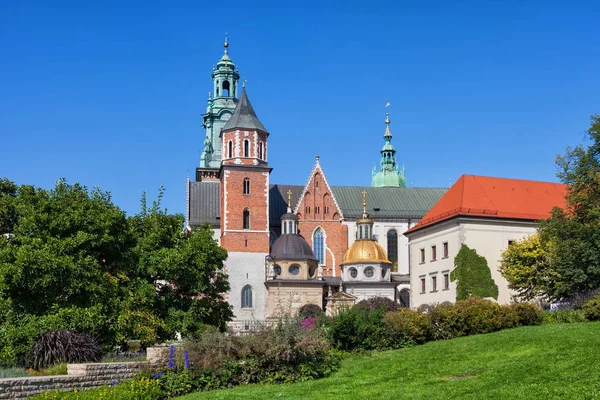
x,y
80,376
318,209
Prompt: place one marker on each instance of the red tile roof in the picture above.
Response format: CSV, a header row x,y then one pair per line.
x,y
485,196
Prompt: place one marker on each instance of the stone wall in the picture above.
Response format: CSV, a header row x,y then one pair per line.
x,y
80,376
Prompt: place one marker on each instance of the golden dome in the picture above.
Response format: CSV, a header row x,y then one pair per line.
x,y
365,251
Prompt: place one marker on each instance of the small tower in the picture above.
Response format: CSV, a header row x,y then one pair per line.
x,y
366,270
244,177
389,175
221,103
294,279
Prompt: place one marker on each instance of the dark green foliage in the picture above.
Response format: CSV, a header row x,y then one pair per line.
x,y
572,235
77,262
310,311
406,327
374,303
528,314
473,275
591,308
563,316
358,328
57,347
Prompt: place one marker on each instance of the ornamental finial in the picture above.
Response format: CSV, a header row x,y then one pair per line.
x,y
387,114
289,193
364,193
226,44
317,157
244,82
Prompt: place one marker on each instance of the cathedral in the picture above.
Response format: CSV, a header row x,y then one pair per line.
x,y
290,245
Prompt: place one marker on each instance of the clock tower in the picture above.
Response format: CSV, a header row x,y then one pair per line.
x,y
221,104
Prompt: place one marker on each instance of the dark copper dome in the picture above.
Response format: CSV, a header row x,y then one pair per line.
x,y
291,247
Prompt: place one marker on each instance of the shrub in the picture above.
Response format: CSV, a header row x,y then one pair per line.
x,y
287,352
469,317
64,347
358,328
591,308
562,316
406,327
310,311
374,303
137,389
528,314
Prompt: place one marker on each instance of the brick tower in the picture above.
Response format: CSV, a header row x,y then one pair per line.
x,y
244,179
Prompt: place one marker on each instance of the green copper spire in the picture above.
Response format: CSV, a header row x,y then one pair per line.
x,y
389,175
221,103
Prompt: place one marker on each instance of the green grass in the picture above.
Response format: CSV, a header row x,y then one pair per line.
x,y
13,372
558,361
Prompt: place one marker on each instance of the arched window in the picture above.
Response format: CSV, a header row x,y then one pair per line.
x,y
405,298
230,149
260,150
392,248
246,186
226,88
247,296
360,233
246,148
246,219
319,245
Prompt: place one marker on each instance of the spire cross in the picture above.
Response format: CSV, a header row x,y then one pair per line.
x,y
289,193
364,193
244,82
226,44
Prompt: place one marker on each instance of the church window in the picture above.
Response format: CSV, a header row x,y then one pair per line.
x,y
226,88
246,186
277,270
230,149
272,238
392,247
246,219
260,150
319,245
307,209
353,272
294,269
246,148
369,272
317,210
405,298
317,184
247,296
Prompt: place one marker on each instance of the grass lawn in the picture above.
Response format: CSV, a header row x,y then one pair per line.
x,y
559,361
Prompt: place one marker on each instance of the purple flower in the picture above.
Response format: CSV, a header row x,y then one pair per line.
x,y
171,364
186,358
113,383
307,323
157,375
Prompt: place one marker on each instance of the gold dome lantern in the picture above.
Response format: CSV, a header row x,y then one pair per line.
x,y
365,251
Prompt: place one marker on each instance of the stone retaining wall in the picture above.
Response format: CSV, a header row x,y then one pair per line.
x,y
80,376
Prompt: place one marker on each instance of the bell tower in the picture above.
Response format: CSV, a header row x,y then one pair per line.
x,y
221,104
244,177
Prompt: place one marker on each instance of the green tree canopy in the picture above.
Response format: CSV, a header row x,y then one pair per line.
x,y
76,261
573,234
526,266
473,275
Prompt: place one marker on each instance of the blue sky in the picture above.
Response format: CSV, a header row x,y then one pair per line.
x,y
111,94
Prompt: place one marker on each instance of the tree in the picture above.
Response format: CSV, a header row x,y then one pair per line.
x,y
526,266
573,233
473,275
77,262
8,214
